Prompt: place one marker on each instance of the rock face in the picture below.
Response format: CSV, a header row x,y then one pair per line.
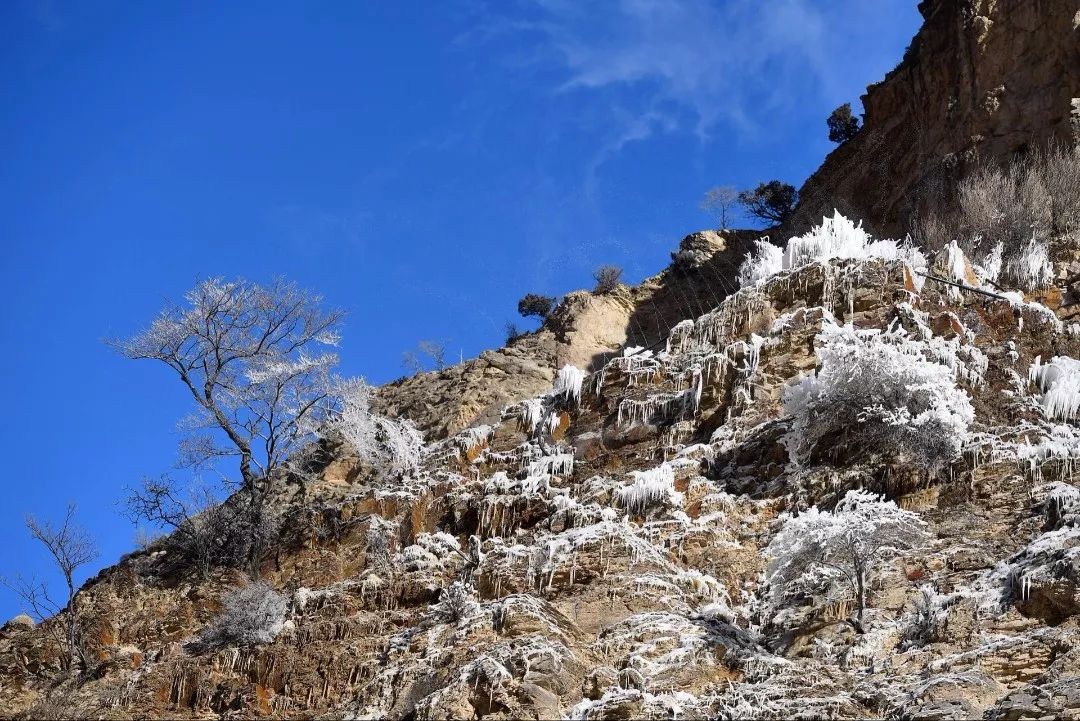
x,y
597,551
584,331
590,534
982,79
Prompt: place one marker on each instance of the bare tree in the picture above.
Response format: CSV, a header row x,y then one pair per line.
x,y
245,354
435,351
718,201
71,548
512,332
411,362
202,531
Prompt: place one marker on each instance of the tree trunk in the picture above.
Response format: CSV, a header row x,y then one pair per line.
x,y
860,581
73,620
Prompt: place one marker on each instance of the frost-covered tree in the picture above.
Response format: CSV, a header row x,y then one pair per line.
x,y
718,201
833,555
386,443
877,394
250,357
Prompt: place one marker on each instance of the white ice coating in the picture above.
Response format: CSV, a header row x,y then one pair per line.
x,y
956,263
558,464
568,383
1031,267
991,265
663,406
1059,381
836,238
654,487
532,414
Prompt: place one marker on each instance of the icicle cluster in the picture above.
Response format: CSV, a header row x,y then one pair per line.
x,y
651,488
1059,381
836,238
568,383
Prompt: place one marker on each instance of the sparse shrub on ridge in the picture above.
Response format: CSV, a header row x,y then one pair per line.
x,y
512,332
1013,220
608,278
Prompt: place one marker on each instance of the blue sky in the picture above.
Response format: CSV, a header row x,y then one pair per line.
x,y
421,165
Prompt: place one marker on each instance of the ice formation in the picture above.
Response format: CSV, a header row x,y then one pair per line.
x,y
654,487
1031,267
836,238
568,383
1059,381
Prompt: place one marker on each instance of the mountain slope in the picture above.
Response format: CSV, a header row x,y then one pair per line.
x,y
982,80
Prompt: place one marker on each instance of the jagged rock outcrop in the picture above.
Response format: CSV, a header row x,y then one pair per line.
x,y
585,330
982,79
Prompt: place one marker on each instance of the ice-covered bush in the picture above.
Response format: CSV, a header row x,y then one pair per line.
x,y
927,621
836,238
383,442
833,555
252,615
457,601
877,394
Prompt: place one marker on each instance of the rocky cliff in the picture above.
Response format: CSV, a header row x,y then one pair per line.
x,y
595,529
982,80
601,550
584,331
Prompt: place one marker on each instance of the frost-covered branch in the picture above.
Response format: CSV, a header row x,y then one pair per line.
x,y
249,357
385,443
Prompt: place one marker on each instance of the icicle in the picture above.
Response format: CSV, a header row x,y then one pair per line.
x,y
652,487
568,383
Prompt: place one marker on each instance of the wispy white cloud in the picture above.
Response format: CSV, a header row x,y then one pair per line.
x,y
703,67
705,62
